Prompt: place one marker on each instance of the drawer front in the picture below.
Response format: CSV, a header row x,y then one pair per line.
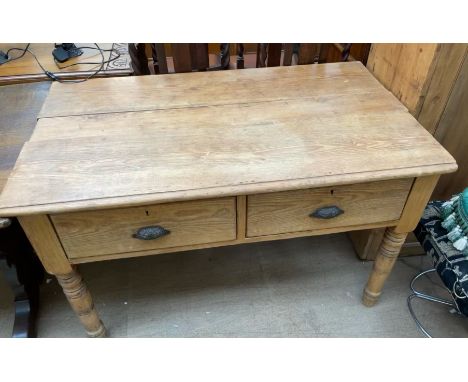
x,y
103,232
334,207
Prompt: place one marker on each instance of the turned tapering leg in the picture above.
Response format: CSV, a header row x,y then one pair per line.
x,y
82,303
383,264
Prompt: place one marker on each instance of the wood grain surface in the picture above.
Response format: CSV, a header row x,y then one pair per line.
x,y
271,129
148,141
432,85
245,240
449,60
42,236
282,212
82,303
190,90
384,262
97,233
404,69
19,107
420,194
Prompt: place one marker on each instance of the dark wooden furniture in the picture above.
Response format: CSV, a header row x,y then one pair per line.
x,y
276,54
176,58
182,58
301,54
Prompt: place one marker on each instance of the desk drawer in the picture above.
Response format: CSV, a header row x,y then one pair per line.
x,y
289,211
103,232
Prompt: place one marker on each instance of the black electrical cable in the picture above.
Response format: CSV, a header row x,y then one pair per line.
x,y
53,76
88,62
16,58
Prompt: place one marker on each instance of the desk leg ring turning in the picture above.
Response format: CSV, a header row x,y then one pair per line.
x,y
82,303
383,264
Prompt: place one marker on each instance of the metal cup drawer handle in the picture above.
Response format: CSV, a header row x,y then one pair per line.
x,y
151,232
327,212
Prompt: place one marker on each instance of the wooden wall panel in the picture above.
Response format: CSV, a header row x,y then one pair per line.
x,y
452,133
447,69
404,70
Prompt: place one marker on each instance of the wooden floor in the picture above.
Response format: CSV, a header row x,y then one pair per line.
x,y
26,69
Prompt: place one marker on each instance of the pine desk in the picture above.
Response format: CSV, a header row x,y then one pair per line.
x,y
124,167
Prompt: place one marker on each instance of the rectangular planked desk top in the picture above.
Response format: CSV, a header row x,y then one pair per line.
x,y
152,139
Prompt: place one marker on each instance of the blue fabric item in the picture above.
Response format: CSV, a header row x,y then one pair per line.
x,y
454,213
450,263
